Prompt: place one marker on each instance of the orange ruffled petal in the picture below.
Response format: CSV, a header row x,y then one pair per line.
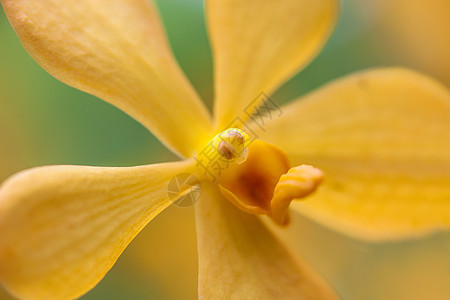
x,y
297,183
264,184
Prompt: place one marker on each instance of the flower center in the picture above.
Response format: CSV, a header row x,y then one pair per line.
x,y
256,176
232,145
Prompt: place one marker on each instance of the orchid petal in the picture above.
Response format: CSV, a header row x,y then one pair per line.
x,y
63,227
382,137
240,259
117,51
257,45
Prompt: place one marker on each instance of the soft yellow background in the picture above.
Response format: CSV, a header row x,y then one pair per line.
x,y
42,121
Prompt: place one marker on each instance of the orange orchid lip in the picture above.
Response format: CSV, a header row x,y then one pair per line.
x,y
265,183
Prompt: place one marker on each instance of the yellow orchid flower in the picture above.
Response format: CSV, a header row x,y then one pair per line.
x,y
380,137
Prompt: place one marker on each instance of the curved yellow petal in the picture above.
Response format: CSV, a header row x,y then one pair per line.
x,y
117,51
257,45
240,259
63,227
382,138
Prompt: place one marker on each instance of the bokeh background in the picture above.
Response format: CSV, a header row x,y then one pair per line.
x,y
43,121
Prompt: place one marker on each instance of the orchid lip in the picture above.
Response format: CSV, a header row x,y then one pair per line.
x,y
265,183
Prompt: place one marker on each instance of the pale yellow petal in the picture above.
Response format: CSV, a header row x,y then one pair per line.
x,y
240,259
63,227
117,51
382,138
257,45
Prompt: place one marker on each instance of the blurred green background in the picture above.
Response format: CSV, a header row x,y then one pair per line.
x,y
43,121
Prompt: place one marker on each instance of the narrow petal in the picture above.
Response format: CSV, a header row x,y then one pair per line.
x,y
257,45
117,51
240,259
63,227
382,138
